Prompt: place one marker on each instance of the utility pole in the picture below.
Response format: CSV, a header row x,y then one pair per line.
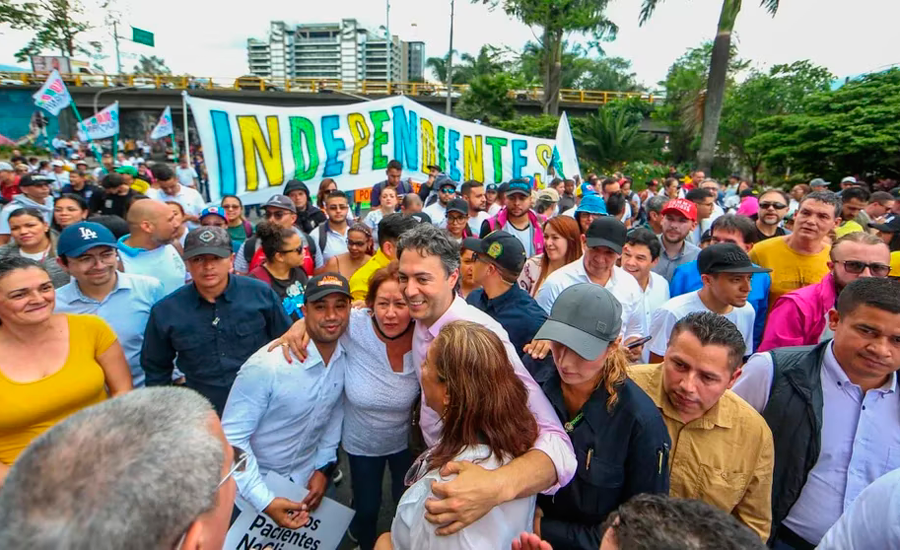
x,y
389,43
450,63
118,57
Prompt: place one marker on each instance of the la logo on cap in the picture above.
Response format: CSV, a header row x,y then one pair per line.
x,y
87,233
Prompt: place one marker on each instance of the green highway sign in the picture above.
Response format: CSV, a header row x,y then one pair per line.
x,y
141,36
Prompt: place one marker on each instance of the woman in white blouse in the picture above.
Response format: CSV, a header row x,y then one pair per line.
x,y
468,380
380,387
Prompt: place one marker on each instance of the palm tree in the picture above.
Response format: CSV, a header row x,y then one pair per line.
x,y
718,69
439,66
612,136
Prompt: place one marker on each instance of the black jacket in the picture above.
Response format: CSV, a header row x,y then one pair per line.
x,y
620,454
311,217
515,310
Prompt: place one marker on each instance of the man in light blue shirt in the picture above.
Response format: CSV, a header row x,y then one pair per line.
x,y
288,416
87,251
331,237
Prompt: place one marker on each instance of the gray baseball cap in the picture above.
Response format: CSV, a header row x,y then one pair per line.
x,y
818,182
585,318
207,240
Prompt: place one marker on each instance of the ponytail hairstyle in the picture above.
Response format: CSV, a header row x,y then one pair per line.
x,y
272,237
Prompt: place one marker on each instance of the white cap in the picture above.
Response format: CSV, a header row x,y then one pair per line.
x,y
849,179
74,156
5,167
56,163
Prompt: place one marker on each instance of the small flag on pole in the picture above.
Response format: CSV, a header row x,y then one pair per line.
x,y
102,125
164,126
564,155
53,95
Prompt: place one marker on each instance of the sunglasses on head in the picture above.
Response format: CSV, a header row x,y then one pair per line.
x,y
855,267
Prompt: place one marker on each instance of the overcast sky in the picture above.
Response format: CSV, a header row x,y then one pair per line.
x,y
206,37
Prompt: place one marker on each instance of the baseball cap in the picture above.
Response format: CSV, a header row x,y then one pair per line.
x,y
490,188
891,225
681,206
548,195
281,201
35,179
592,204
322,285
519,187
818,182
726,258
500,248
75,156
57,164
458,205
130,170
606,231
207,240
5,167
434,167
81,163
421,217
849,179
585,189
503,187
80,237
585,318
443,181
214,211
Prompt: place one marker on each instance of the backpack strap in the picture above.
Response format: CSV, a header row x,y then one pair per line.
x,y
249,249
323,236
248,229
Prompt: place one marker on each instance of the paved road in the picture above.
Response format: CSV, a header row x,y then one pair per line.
x,y
385,515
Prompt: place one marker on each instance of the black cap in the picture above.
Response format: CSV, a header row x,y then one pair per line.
x,y
891,225
443,181
458,205
500,248
421,217
518,187
322,285
606,231
207,240
434,167
726,258
35,179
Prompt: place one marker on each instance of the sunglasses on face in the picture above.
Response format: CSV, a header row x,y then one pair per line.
x,y
298,250
775,205
277,215
448,190
338,207
854,267
231,207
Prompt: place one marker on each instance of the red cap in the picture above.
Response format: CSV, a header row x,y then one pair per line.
x,y
683,206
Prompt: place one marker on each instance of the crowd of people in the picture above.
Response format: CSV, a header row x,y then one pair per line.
x,y
700,364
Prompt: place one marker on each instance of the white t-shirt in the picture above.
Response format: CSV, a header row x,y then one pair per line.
x,y
187,197
475,223
664,319
185,175
525,237
411,531
437,212
494,209
654,296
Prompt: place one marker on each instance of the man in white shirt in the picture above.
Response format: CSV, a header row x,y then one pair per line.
x,y
473,192
186,174
446,189
871,521
603,244
288,416
726,271
639,255
170,190
331,236
59,175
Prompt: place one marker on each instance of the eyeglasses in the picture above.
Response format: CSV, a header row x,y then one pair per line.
x,y
231,206
775,205
277,214
338,207
456,219
854,267
357,244
106,257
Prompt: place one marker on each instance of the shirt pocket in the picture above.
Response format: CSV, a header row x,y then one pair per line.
x,y
720,487
185,342
893,458
601,482
253,328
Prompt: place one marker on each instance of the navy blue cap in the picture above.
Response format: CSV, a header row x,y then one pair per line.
x,y
80,237
519,187
491,188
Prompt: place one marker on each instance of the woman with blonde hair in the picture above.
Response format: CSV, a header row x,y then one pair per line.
x,y
468,380
562,245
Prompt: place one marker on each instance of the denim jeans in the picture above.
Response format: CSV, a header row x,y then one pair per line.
x,y
366,474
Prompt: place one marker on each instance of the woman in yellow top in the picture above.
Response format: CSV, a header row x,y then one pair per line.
x,y
51,365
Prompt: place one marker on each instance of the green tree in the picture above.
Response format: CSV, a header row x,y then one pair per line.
x,y
718,72
855,128
57,25
151,66
487,62
541,126
18,15
555,20
783,90
487,99
438,66
611,74
612,137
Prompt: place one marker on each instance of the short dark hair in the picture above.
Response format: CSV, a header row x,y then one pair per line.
x,y
785,196
272,237
737,223
392,226
112,180
878,292
881,197
656,203
855,192
607,181
161,172
713,329
698,194
337,194
116,225
467,186
615,204
644,237
12,263
395,165
652,522
826,197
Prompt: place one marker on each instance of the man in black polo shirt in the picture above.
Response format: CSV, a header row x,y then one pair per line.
x,y
499,259
214,324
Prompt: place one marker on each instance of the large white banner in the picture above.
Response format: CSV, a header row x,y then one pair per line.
x,y
252,150
102,125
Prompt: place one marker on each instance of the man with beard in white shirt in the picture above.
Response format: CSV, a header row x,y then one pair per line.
x,y
446,192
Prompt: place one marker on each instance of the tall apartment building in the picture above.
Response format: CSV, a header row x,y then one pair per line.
x,y
343,51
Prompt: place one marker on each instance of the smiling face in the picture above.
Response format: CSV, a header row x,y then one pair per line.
x,y
866,341
555,245
637,260
357,244
695,376
96,267
28,231
232,208
390,309
599,260
427,288
327,319
26,297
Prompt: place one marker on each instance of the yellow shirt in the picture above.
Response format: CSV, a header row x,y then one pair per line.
x,y
895,264
790,270
724,458
31,408
847,227
359,282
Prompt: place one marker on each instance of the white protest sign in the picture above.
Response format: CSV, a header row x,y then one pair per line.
x,y
102,125
53,95
323,531
164,127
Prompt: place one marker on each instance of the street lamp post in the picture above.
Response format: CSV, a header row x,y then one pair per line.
x,y
450,63
101,92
